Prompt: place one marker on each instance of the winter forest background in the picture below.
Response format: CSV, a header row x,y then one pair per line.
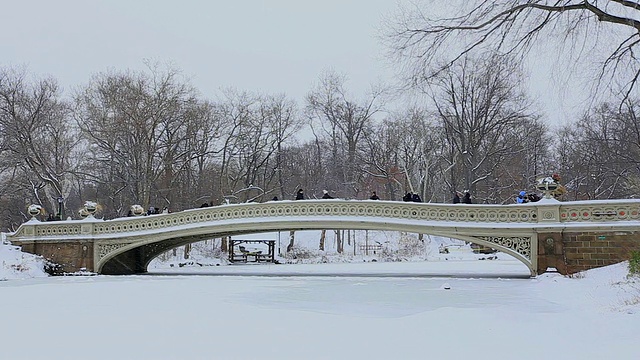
x,y
151,138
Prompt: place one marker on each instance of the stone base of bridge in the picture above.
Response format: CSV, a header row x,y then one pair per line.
x,y
570,253
63,257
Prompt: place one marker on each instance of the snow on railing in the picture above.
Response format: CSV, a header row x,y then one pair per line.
x,y
531,213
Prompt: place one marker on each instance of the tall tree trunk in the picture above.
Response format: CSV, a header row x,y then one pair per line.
x,y
187,251
339,241
224,244
291,239
323,234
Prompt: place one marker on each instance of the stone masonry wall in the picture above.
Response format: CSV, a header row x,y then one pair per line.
x,y
65,257
573,252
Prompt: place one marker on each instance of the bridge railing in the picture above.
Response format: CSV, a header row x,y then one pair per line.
x,y
600,211
532,213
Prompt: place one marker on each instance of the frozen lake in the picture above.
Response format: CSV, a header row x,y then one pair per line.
x,y
491,309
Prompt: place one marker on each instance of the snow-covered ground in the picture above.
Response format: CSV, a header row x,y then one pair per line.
x,y
19,265
362,309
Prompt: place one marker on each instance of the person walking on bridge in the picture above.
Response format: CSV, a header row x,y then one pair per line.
x,y
300,195
467,198
522,197
326,195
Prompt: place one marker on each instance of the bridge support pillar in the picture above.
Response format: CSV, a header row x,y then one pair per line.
x,y
573,252
63,257
551,253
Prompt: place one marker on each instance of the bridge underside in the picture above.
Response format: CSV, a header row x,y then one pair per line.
x,y
136,260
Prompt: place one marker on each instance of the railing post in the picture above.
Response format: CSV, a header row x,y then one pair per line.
x,y
29,228
548,210
87,226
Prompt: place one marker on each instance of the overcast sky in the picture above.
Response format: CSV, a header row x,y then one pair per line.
x,y
271,46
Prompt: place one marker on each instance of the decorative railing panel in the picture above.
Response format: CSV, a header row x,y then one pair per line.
x,y
337,208
594,212
599,212
49,229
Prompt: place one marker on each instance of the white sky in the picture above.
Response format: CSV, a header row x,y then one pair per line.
x,y
275,46
268,46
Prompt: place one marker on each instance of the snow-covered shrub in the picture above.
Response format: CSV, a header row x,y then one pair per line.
x,y
300,253
410,246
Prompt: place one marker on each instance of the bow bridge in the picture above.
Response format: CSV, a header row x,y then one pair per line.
x,y
568,236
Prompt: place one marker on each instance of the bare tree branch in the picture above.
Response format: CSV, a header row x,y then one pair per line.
x,y
426,46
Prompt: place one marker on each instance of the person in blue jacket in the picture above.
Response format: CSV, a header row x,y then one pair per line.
x,y
522,197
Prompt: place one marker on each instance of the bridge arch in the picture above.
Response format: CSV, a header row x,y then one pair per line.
x,y
134,257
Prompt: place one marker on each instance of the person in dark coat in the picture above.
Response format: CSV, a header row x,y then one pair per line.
x,y
300,195
416,198
533,197
275,198
326,195
374,196
467,198
456,198
407,197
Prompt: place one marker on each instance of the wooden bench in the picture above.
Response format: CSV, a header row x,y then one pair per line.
x,y
264,257
239,257
238,252
246,253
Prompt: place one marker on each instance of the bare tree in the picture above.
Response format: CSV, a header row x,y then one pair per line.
x,y
481,107
282,117
344,121
255,129
381,158
403,153
605,31
600,158
37,138
139,130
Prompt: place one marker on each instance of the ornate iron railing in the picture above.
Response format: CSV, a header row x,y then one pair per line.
x,y
544,212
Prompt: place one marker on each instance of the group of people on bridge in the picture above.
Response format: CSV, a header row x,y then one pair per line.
x,y
411,196
325,195
466,197
523,197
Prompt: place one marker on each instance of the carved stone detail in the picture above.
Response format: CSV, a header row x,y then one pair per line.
x,y
606,212
106,249
547,215
519,244
58,229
